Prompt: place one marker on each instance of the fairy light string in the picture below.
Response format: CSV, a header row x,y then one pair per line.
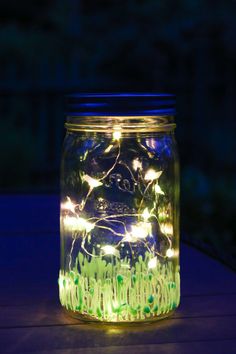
x,y
81,227
119,270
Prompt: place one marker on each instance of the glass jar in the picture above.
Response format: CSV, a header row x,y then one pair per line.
x,y
120,208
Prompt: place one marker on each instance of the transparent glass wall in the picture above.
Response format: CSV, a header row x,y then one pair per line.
x,y
119,217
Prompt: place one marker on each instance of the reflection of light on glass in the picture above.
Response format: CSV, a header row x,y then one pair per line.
x,y
68,205
152,174
108,149
137,164
114,330
77,224
92,182
110,250
158,189
169,253
151,143
166,228
163,215
152,263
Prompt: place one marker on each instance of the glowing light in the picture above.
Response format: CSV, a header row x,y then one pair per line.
x,y
129,238
140,230
146,215
110,250
116,135
152,263
68,205
92,182
166,228
163,215
170,253
77,224
158,189
151,175
108,149
137,164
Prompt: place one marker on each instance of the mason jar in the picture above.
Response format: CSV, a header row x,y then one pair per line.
x,y
120,208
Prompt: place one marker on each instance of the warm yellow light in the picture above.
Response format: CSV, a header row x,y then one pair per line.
x,y
170,253
110,250
137,164
140,230
68,205
158,189
166,228
163,215
116,135
129,238
108,149
77,224
92,182
146,215
152,263
114,330
152,174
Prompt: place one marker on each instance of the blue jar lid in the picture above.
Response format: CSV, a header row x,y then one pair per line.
x,y
120,104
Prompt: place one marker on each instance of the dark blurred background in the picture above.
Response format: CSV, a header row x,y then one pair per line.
x,y
186,47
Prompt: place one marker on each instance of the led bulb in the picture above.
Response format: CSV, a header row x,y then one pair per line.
x,y
146,215
110,250
158,189
85,225
140,230
170,253
68,205
116,135
152,174
137,164
152,263
129,238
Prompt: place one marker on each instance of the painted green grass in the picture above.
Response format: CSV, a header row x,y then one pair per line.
x,y
114,292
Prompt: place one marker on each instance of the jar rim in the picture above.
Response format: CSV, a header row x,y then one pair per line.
x,y
128,111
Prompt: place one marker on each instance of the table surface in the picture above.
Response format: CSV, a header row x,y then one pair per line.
x,y
32,321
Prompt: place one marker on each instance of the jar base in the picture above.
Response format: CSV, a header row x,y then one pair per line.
x,y
89,319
